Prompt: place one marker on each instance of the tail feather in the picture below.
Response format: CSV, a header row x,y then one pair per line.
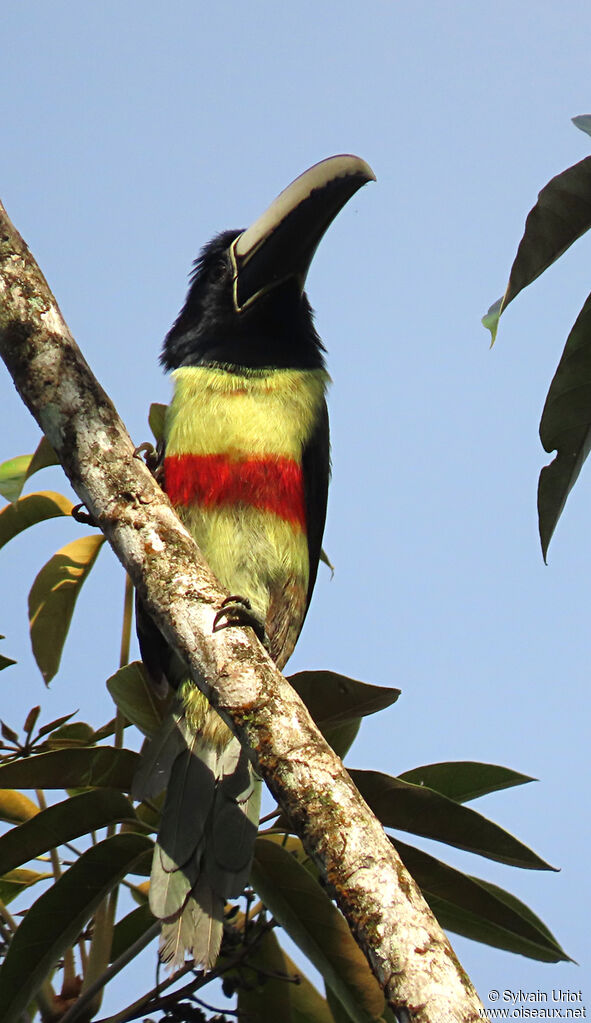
x,y
228,855
170,887
189,799
158,755
206,839
198,928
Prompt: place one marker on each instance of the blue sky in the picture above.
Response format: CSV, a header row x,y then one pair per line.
x,y
133,132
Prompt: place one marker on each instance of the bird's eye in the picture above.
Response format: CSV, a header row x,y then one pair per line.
x,y
218,270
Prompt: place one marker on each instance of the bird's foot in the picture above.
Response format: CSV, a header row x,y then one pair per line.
x,y
150,456
81,514
237,610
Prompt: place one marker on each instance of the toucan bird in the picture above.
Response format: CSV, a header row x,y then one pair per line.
x,y
245,462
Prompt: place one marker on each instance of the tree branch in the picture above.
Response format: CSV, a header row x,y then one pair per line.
x,y
407,951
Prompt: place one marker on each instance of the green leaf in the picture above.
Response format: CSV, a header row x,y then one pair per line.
x,y
55,920
15,881
130,929
566,425
5,662
270,985
16,808
463,780
561,215
15,472
477,910
97,766
326,560
583,122
31,720
62,822
28,511
52,726
342,737
7,732
555,952
263,993
53,597
336,1008
307,1005
305,911
490,320
77,733
333,699
420,810
136,699
157,419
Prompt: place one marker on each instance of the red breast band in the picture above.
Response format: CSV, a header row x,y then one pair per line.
x,y
272,484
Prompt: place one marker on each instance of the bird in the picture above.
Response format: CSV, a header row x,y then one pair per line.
x,y
245,462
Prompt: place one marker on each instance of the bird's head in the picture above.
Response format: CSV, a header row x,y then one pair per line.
x,y
246,304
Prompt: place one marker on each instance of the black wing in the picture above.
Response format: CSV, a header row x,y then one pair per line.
x,y
316,467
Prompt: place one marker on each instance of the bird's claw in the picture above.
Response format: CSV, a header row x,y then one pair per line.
x,y
237,610
81,514
149,455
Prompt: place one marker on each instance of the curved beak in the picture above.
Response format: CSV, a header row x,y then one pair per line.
x,y
282,241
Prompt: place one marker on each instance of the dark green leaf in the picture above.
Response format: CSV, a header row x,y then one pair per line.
x,y
471,907
513,903
56,919
338,1014
8,733
561,215
5,662
336,1008
130,929
136,699
15,882
77,733
30,510
307,1005
53,597
342,737
31,720
105,731
263,994
258,986
463,780
566,425
53,726
333,699
98,767
307,914
583,122
156,419
420,810
326,560
61,823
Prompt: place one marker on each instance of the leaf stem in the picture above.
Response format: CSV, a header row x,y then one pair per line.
x,y
126,625
87,996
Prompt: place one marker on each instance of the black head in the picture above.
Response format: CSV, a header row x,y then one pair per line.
x,y
246,305
276,330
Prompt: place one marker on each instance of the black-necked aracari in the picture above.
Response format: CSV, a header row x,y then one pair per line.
x,y
246,465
